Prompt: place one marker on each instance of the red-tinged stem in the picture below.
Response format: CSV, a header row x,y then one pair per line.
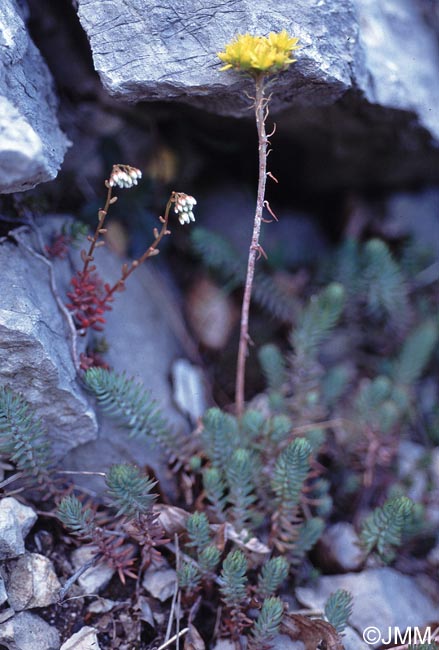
x,y
88,257
128,269
255,249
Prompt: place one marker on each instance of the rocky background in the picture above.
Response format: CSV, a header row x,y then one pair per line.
x,y
87,83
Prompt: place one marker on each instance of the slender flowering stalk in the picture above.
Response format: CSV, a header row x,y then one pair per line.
x,y
123,176
88,302
255,248
90,296
260,57
183,204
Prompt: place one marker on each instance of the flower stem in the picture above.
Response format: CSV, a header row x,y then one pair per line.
x,y
87,257
127,269
255,248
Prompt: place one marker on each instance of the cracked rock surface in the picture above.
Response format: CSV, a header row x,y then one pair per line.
x,y
30,582
27,631
84,639
359,45
175,55
16,520
32,146
35,352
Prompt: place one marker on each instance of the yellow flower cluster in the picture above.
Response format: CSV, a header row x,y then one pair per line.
x,y
259,54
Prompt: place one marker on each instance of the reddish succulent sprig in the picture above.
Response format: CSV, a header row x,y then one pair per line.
x,y
148,532
89,300
59,246
118,555
92,359
70,235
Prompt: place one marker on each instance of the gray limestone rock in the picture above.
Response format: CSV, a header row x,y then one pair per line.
x,y
340,548
26,631
160,583
384,50
16,520
97,577
382,598
352,641
85,639
3,594
401,58
175,52
35,347
32,146
30,582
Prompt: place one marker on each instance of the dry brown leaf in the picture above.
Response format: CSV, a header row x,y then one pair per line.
x,y
314,633
259,551
220,540
172,519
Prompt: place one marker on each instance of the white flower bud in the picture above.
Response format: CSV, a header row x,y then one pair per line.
x,y
183,207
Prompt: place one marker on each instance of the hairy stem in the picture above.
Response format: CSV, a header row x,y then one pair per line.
x,y
255,248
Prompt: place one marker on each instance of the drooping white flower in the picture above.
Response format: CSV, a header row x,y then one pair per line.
x,y
184,204
124,176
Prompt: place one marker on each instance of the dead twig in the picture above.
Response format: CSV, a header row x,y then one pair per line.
x,y
175,594
173,638
78,573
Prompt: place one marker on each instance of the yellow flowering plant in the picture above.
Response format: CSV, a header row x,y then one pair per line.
x,y
259,56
